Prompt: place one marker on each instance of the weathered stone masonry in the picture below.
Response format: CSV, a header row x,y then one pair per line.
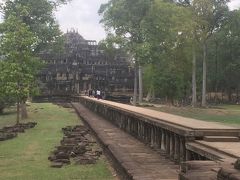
x,y
81,66
198,146
170,138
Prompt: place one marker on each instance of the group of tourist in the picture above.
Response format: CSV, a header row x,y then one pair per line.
x,y
95,93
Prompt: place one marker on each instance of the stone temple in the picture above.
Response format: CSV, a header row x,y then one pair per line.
x,y
82,66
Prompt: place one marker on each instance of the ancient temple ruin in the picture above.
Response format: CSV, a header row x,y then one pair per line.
x,y
82,66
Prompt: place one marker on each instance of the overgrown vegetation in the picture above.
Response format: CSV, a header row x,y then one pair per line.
x,y
26,157
186,48
28,27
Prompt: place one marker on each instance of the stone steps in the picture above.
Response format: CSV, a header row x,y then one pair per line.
x,y
221,139
207,152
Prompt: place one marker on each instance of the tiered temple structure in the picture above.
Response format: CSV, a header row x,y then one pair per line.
x,y
83,66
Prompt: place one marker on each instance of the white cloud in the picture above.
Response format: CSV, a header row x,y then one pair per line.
x,y
234,4
82,15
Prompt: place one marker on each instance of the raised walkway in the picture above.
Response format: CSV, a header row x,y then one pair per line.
x,y
134,158
211,145
190,123
230,148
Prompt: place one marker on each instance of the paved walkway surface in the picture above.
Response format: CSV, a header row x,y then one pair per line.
x,y
169,118
139,161
229,148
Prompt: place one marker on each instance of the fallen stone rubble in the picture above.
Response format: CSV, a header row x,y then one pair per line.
x,y
64,105
10,132
78,145
209,170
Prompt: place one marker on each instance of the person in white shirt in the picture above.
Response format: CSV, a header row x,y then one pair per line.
x,y
98,94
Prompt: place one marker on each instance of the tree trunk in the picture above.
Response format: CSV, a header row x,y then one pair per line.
x,y
216,73
140,84
194,83
135,86
2,106
24,114
1,109
151,94
229,96
237,97
18,112
216,67
204,81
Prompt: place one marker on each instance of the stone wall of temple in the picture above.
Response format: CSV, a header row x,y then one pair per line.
x,y
82,66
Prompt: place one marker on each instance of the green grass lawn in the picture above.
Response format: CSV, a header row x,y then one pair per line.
x,y
229,114
26,157
8,117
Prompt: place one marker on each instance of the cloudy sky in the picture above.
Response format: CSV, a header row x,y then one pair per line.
x,y
82,15
234,4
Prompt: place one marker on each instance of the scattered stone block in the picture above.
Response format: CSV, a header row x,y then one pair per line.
x,y
83,160
198,165
237,164
79,149
199,170
62,155
11,135
2,137
56,164
64,161
228,173
234,177
9,132
78,144
52,158
98,153
65,148
72,154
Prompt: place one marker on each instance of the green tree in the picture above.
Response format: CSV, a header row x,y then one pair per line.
x,y
38,15
124,17
208,16
224,57
167,37
165,49
112,46
37,29
18,66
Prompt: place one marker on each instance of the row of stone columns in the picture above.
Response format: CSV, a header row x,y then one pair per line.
x,y
192,156
156,137
153,135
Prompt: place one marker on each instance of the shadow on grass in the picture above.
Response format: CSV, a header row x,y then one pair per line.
x,y
216,107
8,111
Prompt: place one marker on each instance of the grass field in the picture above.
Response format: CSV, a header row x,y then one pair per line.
x,y
9,117
26,157
229,114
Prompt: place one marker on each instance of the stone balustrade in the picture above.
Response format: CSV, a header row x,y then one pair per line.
x,y
160,134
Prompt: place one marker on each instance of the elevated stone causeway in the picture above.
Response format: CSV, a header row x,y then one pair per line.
x,y
132,158
185,141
